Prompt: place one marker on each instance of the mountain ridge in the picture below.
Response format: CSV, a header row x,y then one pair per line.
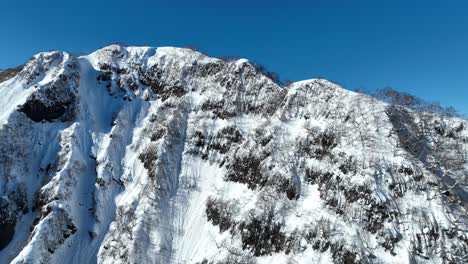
x,y
165,155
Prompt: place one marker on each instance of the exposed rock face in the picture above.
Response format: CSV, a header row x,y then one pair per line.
x,y
9,73
38,111
164,155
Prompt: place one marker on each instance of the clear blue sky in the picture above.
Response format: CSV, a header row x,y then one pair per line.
x,y
419,47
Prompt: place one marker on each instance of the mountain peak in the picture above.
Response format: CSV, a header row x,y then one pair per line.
x,y
166,155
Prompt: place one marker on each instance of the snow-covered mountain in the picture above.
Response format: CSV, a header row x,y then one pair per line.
x,y
165,155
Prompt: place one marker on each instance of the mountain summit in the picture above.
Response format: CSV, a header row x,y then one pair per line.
x,y
165,155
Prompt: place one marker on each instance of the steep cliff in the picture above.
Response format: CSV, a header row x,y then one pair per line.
x,y
165,155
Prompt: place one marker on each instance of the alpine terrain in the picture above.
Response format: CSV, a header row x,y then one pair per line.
x,y
165,155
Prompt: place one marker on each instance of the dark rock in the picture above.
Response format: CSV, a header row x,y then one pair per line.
x,y
9,73
38,111
7,222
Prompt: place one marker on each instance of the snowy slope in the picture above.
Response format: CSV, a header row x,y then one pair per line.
x,y
164,155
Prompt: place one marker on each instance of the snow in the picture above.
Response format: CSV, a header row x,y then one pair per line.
x,y
90,171
13,94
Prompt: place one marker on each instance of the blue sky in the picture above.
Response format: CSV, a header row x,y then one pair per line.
x,y
419,47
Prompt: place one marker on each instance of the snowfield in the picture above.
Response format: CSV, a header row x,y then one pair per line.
x,y
165,155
